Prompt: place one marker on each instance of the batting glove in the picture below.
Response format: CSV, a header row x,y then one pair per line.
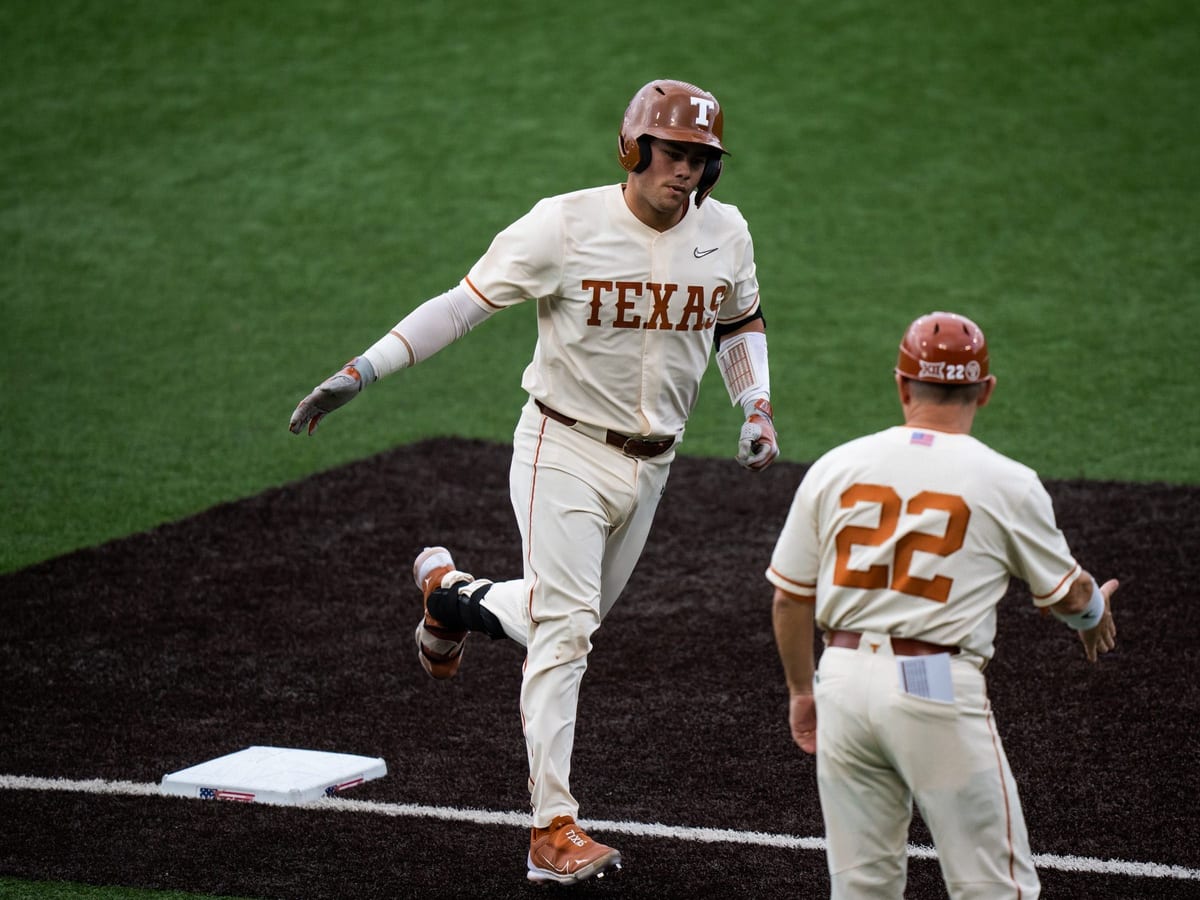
x,y
333,393
758,446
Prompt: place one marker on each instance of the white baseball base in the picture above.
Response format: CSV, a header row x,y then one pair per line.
x,y
276,775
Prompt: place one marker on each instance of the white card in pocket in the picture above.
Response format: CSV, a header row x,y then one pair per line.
x,y
927,677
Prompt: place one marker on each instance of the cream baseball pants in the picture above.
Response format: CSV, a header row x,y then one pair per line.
x,y
584,510
880,748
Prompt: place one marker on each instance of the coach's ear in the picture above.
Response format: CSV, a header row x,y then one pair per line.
x,y
902,390
986,395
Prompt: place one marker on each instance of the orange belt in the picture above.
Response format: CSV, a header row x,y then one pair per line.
x,y
901,646
630,446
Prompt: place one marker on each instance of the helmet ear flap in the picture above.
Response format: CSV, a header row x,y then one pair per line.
x,y
634,154
643,160
708,178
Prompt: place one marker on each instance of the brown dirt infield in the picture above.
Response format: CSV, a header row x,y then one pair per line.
x,y
285,619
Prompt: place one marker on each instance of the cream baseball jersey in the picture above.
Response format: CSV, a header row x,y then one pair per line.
x,y
625,313
916,533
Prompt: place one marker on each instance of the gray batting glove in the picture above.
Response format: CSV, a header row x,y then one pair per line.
x,y
333,393
757,444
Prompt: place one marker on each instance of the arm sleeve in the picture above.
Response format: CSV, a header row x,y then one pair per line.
x,y
431,327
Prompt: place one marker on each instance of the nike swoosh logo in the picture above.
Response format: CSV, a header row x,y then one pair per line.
x,y
700,254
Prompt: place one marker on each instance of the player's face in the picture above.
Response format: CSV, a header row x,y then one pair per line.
x,y
659,195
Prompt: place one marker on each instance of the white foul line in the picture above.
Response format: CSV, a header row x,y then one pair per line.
x,y
639,829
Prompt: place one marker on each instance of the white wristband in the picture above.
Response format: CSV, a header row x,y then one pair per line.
x,y
758,404
365,369
1090,617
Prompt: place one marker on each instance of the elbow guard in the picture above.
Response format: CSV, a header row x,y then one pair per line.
x,y
743,364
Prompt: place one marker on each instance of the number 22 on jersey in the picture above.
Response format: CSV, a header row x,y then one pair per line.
x,y
897,575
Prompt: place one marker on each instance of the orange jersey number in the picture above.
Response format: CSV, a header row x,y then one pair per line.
x,y
877,576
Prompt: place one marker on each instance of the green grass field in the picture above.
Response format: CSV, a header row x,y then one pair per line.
x,y
207,207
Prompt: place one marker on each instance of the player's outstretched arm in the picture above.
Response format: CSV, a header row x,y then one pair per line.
x,y
333,393
432,326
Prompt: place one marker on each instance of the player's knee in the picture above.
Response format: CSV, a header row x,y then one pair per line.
x,y
568,637
575,644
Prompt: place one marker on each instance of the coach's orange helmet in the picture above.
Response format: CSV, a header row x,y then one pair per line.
x,y
672,111
943,348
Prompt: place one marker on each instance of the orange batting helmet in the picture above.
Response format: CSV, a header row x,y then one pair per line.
x,y
943,348
672,111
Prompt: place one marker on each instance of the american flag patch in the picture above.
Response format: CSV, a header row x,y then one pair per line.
x,y
921,439
207,793
334,788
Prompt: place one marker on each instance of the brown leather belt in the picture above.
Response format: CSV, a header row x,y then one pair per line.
x,y
638,448
900,646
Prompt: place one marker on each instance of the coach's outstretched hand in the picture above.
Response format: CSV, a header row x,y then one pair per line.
x,y
757,445
333,393
1103,637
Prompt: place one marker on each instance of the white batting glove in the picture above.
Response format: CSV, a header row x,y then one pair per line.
x,y
333,393
757,445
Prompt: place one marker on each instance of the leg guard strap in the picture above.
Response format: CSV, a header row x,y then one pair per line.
x,y
457,607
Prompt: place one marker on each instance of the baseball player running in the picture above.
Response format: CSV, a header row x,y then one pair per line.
x,y
635,284
898,546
